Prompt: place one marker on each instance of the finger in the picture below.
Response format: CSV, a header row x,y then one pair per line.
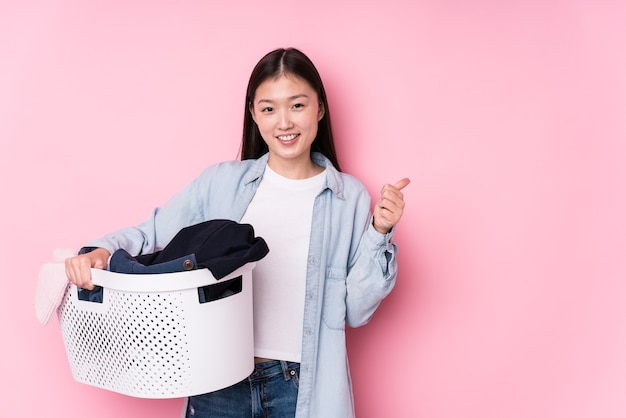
x,y
395,189
71,270
78,272
388,209
85,274
99,264
390,216
391,208
384,220
392,200
401,184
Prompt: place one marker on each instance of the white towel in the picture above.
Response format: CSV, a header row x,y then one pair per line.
x,y
51,285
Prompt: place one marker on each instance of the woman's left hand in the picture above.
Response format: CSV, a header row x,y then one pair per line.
x,y
390,206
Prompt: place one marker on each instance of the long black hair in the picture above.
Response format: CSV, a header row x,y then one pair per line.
x,y
273,65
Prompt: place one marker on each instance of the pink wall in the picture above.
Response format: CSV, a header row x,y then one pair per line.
x,y
509,117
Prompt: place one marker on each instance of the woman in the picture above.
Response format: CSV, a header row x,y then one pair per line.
x,y
331,259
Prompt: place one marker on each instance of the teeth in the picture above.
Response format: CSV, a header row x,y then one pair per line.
x,y
287,137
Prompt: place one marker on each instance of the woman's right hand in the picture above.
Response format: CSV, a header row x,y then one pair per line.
x,y
78,268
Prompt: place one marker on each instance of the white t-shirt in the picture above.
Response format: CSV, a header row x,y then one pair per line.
x,y
281,213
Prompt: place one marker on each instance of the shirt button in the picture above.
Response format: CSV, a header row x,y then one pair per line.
x,y
188,264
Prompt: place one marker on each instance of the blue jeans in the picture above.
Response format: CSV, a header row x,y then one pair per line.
x,y
270,391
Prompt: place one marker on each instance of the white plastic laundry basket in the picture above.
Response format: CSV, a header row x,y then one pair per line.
x,y
151,337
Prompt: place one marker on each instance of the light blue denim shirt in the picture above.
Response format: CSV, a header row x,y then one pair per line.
x,y
351,266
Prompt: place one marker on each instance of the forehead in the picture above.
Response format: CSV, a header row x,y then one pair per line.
x,y
284,87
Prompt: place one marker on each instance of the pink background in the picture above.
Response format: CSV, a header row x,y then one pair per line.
x,y
509,117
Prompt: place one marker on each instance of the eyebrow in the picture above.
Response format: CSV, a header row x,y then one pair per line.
x,y
297,96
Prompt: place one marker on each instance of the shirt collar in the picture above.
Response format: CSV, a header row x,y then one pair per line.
x,y
333,177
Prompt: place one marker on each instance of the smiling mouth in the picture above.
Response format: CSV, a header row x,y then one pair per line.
x,y
287,138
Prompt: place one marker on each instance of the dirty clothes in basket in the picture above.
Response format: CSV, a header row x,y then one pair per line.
x,y
220,245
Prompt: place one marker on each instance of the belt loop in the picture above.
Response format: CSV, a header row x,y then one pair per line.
x,y
286,374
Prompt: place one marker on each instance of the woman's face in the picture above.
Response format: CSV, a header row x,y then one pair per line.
x,y
287,110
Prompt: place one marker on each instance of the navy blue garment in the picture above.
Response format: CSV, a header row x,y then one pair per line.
x,y
122,262
220,245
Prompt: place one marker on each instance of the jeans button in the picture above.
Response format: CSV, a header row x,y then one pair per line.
x,y
188,264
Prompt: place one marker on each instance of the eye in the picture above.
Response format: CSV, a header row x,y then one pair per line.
x,y
267,109
298,106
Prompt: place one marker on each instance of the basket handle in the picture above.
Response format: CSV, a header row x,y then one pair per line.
x,y
162,282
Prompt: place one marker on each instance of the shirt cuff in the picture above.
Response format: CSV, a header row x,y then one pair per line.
x,y
380,240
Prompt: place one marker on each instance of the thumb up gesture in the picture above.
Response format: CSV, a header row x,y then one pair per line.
x,y
390,206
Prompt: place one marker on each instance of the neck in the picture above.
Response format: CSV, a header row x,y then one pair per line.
x,y
295,170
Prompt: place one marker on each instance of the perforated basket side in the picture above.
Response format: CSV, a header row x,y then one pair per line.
x,y
133,343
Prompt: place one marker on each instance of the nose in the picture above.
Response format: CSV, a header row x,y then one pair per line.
x,y
284,122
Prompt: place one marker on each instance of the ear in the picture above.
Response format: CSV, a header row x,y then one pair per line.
x,y
321,112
